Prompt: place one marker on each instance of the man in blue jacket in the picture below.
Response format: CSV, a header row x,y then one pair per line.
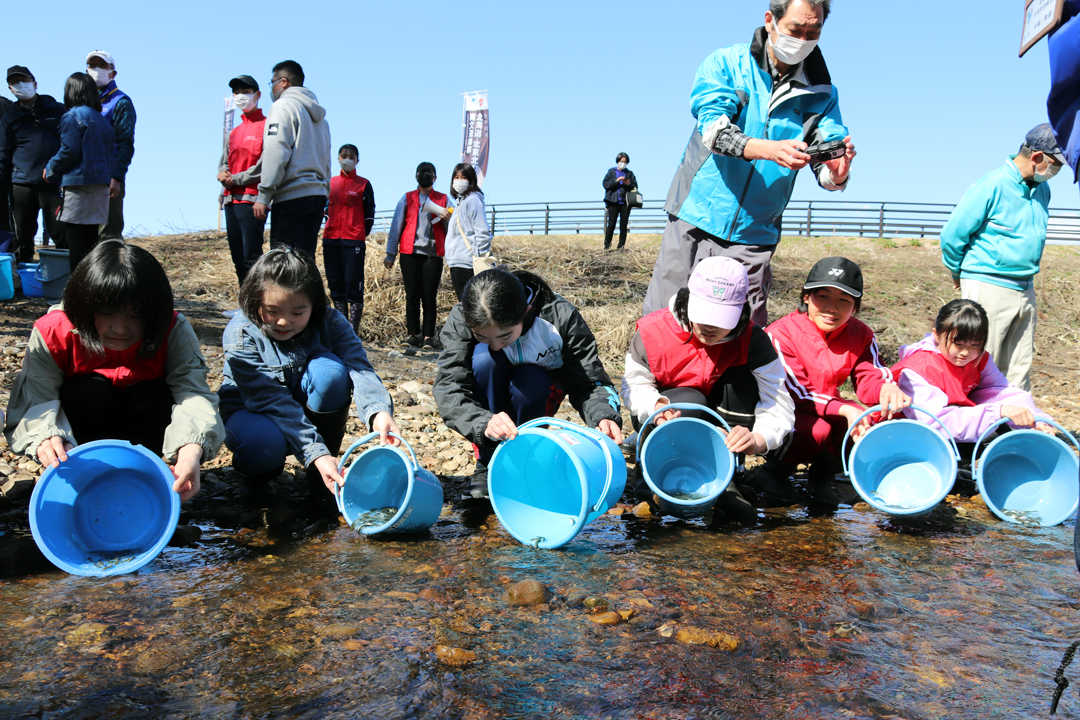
x,y
757,107
993,243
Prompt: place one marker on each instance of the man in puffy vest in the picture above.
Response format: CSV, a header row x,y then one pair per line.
x,y
239,173
757,108
118,109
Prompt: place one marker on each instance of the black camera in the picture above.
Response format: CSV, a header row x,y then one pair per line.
x,y
826,151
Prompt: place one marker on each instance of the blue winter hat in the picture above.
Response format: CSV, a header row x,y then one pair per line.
x,y
1041,138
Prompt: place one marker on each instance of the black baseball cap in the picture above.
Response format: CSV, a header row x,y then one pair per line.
x,y
836,272
243,81
20,70
1041,138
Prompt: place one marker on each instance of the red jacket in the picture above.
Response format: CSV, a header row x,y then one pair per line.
x,y
817,363
345,214
245,149
120,366
412,212
678,359
956,382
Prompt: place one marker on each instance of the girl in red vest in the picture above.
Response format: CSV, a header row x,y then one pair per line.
x,y
420,237
822,346
114,361
350,213
949,374
704,349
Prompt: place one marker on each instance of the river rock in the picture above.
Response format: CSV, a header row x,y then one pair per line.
x,y
88,634
642,510
575,597
616,511
712,638
449,467
606,618
412,387
528,592
863,609
6,469
845,631
596,604
454,656
337,631
185,535
18,486
432,595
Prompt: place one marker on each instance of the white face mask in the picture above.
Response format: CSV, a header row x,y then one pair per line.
x,y
347,164
621,166
24,90
460,186
1051,171
790,50
100,75
244,101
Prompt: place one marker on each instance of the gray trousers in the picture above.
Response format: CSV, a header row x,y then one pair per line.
x,y
1011,340
684,245
114,228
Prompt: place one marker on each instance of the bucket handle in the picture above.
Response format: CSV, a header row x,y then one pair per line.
x,y
677,406
364,441
595,434
1002,421
876,408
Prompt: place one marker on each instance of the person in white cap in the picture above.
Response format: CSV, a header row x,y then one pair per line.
x,y
118,109
704,349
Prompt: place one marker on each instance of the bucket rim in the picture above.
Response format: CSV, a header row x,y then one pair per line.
x,y
139,560
405,501
1012,437
663,495
892,509
583,511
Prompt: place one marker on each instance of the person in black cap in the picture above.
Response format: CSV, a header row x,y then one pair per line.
x,y
822,345
29,136
239,173
993,245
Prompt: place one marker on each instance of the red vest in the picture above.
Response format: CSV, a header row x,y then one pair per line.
x,y
345,211
956,382
678,359
245,149
120,366
412,212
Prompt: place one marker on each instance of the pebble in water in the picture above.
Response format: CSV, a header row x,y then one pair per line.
x,y
373,518
1027,518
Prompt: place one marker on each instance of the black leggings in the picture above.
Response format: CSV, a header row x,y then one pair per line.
x,y
98,410
421,275
81,239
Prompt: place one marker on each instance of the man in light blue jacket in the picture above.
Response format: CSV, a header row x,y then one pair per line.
x,y
757,108
993,244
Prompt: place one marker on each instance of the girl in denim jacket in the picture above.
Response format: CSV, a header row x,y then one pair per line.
x,y
290,362
85,160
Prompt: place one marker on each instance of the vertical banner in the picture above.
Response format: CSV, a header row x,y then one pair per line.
x,y
227,122
474,133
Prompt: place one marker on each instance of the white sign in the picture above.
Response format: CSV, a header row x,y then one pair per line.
x,y
1040,17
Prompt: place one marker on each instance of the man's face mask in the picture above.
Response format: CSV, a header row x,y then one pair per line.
x,y
24,90
244,101
100,75
1051,171
790,50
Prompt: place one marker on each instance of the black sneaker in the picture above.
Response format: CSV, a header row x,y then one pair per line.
x,y
638,486
432,343
477,487
413,341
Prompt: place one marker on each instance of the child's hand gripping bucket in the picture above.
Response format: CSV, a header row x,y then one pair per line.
x,y
686,462
545,485
386,490
902,466
108,509
1029,477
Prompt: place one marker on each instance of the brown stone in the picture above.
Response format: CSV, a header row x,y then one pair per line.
x,y
453,656
712,638
528,592
607,618
642,510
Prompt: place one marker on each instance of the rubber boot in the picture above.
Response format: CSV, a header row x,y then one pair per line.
x,y
732,503
256,490
331,428
342,307
356,311
821,479
775,480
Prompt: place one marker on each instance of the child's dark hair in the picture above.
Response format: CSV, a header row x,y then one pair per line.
x,y
963,321
351,148
498,297
682,313
470,174
293,271
116,277
426,166
80,89
806,291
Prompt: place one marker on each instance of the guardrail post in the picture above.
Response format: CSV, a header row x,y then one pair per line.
x,y
547,219
492,219
809,218
881,221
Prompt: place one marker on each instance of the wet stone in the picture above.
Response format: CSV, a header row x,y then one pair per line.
x,y
845,631
606,618
432,595
337,631
454,656
185,535
712,638
596,604
575,597
642,510
18,486
528,592
88,634
863,609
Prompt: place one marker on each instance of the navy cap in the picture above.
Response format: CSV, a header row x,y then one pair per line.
x,y
243,81
20,70
1041,138
837,272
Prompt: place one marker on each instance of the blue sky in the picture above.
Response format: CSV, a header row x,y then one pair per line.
x,y
933,92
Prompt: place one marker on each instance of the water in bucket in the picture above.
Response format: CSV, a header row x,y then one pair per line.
x,y
386,490
901,466
1028,477
108,509
685,462
547,484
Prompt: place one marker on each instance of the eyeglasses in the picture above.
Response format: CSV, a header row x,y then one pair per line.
x,y
272,83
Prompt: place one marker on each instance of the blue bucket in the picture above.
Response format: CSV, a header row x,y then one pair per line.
x,y
31,286
545,485
1029,477
7,279
6,241
686,462
53,272
386,477
902,466
108,509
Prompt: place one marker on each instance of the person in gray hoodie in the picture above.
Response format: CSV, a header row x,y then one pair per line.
x,y
296,162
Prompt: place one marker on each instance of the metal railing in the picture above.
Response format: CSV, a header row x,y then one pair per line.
x,y
807,218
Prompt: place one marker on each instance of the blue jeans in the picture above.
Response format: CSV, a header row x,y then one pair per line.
x,y
258,445
245,233
524,392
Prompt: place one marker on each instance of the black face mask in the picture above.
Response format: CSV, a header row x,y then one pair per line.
x,y
426,179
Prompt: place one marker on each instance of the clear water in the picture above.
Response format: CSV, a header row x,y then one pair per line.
x,y
373,518
850,615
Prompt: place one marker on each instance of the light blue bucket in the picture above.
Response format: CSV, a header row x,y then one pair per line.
x,y
7,277
1029,477
546,485
108,509
902,466
686,462
388,477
